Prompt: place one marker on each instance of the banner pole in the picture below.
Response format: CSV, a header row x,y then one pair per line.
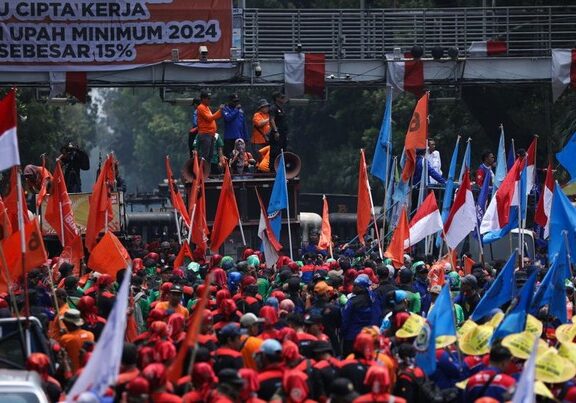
x,y
242,232
287,206
178,227
22,243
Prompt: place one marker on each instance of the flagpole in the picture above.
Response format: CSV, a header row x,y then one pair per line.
x,y
565,237
287,205
386,182
242,232
191,222
373,215
22,240
178,227
480,245
63,242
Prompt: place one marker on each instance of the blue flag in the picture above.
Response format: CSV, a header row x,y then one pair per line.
x,y
441,321
511,156
562,221
482,199
515,319
501,163
465,160
552,290
383,149
566,157
278,198
502,290
449,189
492,236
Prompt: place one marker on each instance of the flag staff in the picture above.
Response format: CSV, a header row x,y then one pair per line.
x,y
288,205
373,213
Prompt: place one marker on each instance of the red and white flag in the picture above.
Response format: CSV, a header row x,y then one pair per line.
x,y
563,71
542,216
405,75
427,221
8,137
487,48
531,165
270,245
497,214
304,73
462,218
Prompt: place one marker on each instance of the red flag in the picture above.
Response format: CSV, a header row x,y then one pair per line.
x,y
176,370
11,200
468,263
227,215
5,224
396,248
197,206
544,208
416,136
184,252
325,240
100,204
462,218
8,132
175,196
364,207
35,255
109,255
76,85
60,216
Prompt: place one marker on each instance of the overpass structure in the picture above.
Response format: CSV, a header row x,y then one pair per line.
x,y
355,43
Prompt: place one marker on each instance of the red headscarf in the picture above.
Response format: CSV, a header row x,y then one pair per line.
x,y
251,383
295,386
378,379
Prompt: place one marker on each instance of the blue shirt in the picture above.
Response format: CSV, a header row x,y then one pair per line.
x,y
235,123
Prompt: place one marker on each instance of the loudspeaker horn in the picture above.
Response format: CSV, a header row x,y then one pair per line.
x,y
292,162
188,171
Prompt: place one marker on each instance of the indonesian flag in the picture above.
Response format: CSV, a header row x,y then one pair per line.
x,y
462,218
497,214
406,75
8,137
488,48
531,165
427,221
563,71
304,73
270,245
542,216
74,83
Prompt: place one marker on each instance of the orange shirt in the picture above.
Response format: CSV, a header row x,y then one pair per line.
x,y
207,120
165,305
55,326
251,346
73,342
257,119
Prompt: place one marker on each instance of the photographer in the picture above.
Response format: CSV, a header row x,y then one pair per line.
x,y
73,160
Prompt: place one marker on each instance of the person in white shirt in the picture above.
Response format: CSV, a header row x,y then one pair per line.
x,y
434,160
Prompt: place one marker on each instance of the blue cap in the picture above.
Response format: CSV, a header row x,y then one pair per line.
x,y
363,281
231,330
400,295
271,347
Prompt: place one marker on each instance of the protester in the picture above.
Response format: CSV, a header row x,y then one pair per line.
x,y
261,126
279,126
485,169
73,160
206,129
234,123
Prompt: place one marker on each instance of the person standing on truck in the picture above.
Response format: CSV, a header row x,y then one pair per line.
x,y
206,130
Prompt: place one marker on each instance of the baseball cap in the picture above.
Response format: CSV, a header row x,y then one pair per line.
x,y
249,319
230,330
271,347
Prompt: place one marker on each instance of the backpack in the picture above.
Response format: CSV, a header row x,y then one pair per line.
x,y
427,391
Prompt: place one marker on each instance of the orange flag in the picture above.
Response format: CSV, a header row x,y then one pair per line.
x,y
176,370
325,240
5,224
227,215
11,200
46,178
109,255
35,255
468,263
60,216
364,208
184,252
100,204
415,136
175,196
437,273
395,249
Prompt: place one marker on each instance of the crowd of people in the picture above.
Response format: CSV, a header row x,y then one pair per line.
x,y
340,329
244,152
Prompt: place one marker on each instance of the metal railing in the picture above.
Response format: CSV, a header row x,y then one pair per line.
x,y
370,34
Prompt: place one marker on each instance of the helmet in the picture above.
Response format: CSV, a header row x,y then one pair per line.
x,y
155,374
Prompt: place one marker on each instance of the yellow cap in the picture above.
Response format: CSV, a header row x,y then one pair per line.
x,y
412,327
462,384
444,341
551,368
477,340
496,319
466,327
520,344
568,351
542,390
565,333
533,325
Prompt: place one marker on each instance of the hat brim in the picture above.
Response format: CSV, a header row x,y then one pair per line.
x,y
77,322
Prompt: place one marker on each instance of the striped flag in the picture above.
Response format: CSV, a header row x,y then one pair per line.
x,y
8,137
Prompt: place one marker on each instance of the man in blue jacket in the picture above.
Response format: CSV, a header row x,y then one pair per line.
x,y
235,124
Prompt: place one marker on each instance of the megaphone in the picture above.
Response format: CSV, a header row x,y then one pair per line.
x,y
292,163
188,171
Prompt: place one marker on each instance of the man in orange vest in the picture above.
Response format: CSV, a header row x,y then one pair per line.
x,y
206,130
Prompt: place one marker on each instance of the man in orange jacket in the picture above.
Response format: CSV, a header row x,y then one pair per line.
x,y
206,130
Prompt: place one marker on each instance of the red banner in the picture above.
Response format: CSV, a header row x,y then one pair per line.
x,y
110,34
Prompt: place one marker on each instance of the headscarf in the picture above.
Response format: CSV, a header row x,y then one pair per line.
x,y
88,310
295,386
